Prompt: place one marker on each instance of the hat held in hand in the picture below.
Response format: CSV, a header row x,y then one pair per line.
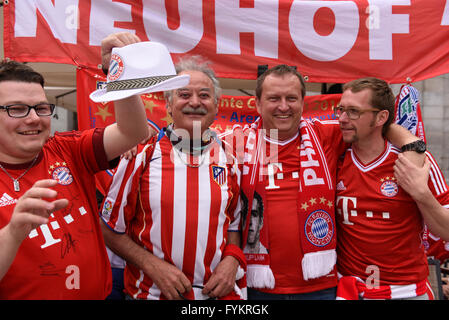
x,y
139,68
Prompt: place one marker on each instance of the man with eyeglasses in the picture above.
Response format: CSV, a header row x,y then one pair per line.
x,y
46,253
381,206
20,110
291,163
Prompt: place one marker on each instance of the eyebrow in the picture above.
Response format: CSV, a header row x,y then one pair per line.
x,y
20,102
187,89
354,107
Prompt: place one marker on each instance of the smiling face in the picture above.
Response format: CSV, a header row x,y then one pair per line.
x,y
21,139
362,128
281,104
194,104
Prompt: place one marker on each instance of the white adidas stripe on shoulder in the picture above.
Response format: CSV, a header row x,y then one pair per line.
x,y
436,176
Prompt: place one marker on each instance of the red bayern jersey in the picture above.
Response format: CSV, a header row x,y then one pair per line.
x,y
379,224
65,258
281,213
181,213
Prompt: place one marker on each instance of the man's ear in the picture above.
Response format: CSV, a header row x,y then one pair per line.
x,y
258,106
382,117
169,110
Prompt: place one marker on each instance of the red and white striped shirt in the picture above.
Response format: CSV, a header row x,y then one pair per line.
x,y
379,224
177,212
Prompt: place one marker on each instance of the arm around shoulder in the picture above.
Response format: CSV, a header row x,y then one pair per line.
x,y
414,180
400,137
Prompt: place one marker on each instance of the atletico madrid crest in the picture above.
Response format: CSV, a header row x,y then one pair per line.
x,y
219,174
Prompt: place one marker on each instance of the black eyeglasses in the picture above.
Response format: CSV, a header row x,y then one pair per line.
x,y
20,110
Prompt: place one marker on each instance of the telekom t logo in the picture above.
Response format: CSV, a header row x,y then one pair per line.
x,y
49,239
349,208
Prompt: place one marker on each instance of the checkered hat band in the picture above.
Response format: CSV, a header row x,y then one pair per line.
x,y
136,83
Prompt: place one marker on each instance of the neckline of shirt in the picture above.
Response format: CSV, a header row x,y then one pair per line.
x,y
281,142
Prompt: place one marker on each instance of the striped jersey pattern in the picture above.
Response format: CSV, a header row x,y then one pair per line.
x,y
179,213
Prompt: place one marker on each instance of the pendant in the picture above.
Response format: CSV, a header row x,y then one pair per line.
x,y
16,185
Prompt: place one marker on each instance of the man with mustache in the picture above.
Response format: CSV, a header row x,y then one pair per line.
x,y
170,210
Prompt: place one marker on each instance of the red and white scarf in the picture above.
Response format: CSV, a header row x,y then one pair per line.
x,y
316,194
354,288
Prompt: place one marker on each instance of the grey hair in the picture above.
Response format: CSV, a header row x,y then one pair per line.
x,y
196,63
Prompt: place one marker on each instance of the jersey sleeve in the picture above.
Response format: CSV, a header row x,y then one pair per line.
x,y
330,135
120,202
437,182
331,139
84,147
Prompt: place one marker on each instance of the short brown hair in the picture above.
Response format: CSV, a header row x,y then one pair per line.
x,y
16,71
382,97
280,70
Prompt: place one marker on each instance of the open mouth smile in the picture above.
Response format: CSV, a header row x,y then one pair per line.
x,y
30,132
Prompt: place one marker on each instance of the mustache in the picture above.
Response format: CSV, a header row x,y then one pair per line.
x,y
190,110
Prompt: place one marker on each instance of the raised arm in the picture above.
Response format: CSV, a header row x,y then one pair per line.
x,y
131,125
130,128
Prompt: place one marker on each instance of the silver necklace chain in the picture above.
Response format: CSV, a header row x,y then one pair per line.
x,y
16,181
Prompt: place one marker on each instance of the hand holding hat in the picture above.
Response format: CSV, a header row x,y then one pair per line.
x,y
115,40
139,68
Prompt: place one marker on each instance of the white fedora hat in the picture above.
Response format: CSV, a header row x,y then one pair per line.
x,y
139,68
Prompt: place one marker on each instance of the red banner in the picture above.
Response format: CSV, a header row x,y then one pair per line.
x,y
329,41
232,109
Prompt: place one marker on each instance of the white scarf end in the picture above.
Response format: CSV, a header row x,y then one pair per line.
x,y
259,276
318,264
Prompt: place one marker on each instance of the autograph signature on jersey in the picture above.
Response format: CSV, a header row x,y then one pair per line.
x,y
49,269
67,244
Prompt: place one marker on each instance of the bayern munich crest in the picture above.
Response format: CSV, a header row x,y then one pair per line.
x,y
389,188
116,67
319,228
62,175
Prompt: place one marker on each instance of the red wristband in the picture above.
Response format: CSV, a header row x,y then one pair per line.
x,y
236,252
